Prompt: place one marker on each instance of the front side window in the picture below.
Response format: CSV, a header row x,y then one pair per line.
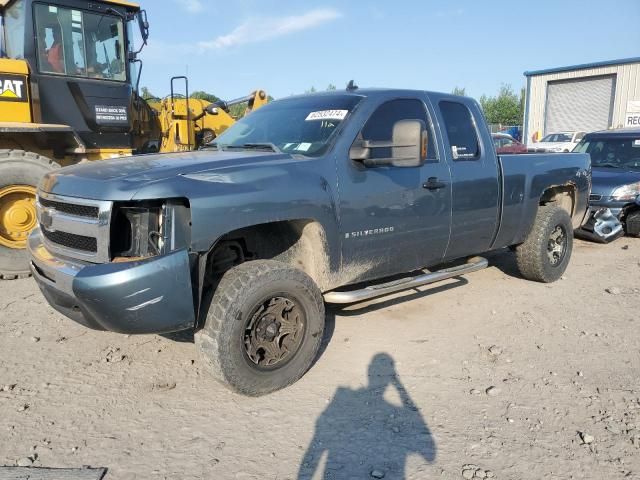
x,y
460,130
14,22
379,127
79,44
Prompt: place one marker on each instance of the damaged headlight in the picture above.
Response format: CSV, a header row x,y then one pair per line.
x,y
626,192
149,228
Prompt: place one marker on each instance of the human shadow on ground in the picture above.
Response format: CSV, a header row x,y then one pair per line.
x,y
364,433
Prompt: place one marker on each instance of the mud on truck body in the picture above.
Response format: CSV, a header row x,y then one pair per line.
x,y
311,199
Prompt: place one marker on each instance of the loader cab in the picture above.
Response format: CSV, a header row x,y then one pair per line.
x,y
82,62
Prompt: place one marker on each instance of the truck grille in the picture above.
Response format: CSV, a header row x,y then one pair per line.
x,y
69,240
71,209
74,227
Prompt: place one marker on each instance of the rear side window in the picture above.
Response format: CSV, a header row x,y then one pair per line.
x,y
460,130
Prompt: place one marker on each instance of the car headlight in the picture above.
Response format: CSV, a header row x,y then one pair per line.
x,y
626,192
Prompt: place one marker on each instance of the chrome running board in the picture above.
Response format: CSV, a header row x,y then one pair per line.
x,y
372,291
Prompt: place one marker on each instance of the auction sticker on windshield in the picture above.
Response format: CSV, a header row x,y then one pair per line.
x,y
327,115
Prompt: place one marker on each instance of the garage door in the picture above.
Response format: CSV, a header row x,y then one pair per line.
x,y
584,104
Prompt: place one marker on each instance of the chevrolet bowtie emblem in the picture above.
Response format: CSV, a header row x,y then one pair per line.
x,y
46,218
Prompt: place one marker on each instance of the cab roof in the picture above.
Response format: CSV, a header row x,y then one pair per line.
x,y
617,132
381,92
122,3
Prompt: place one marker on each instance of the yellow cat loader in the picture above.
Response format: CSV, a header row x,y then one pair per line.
x,y
69,77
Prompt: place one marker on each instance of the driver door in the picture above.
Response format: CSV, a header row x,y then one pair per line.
x,y
393,219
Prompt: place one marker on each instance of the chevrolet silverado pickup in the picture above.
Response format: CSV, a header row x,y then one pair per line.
x,y
336,197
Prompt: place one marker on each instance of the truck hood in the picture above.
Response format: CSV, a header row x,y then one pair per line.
x,y
120,179
606,180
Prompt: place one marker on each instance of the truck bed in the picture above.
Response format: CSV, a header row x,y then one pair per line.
x,y
525,177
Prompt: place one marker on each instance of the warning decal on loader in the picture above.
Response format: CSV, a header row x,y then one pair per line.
x,y
106,114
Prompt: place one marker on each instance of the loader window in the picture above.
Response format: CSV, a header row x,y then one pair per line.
x,y
79,44
14,22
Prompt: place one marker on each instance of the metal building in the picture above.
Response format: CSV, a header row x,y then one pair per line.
x,y
588,97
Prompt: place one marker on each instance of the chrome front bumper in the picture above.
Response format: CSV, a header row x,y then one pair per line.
x,y
144,296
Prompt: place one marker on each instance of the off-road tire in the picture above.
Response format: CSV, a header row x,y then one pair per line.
x,y
242,288
532,255
18,167
631,224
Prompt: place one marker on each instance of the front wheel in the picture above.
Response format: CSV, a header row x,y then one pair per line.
x,y
263,328
545,254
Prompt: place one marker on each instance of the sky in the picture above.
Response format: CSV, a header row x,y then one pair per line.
x,y
231,48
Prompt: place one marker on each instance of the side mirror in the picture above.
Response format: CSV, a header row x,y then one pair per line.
x,y
408,146
143,23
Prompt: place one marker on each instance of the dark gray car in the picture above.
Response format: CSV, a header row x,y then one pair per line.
x,y
310,199
614,204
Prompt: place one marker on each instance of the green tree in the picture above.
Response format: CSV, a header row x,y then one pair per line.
x,y
201,95
459,91
505,108
146,94
331,87
311,90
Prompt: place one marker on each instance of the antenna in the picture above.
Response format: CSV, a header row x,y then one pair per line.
x,y
351,86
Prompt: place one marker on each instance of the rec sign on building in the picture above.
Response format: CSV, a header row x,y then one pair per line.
x,y
632,118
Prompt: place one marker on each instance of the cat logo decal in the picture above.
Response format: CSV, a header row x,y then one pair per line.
x,y
13,88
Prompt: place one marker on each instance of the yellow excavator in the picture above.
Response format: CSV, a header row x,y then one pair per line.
x,y
69,78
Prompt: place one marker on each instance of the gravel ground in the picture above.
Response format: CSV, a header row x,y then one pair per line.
x,y
486,376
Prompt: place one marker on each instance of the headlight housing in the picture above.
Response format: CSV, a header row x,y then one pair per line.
x,y
143,229
626,192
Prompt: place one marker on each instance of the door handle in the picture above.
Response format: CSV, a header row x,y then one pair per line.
x,y
432,183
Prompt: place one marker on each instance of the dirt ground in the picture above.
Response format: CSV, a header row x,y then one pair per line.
x,y
486,375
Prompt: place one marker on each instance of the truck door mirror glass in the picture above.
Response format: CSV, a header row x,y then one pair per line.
x,y
408,143
407,148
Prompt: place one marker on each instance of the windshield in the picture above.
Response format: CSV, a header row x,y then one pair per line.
x,y
304,125
612,152
557,138
80,44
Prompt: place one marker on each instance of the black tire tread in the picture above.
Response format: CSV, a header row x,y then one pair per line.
x,y
528,254
26,160
233,285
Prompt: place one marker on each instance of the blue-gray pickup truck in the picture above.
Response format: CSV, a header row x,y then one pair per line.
x,y
335,197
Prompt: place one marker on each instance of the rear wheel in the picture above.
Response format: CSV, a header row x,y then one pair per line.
x,y
20,173
545,254
263,328
632,223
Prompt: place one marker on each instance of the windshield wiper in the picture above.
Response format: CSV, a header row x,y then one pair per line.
x,y
207,146
255,146
610,165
